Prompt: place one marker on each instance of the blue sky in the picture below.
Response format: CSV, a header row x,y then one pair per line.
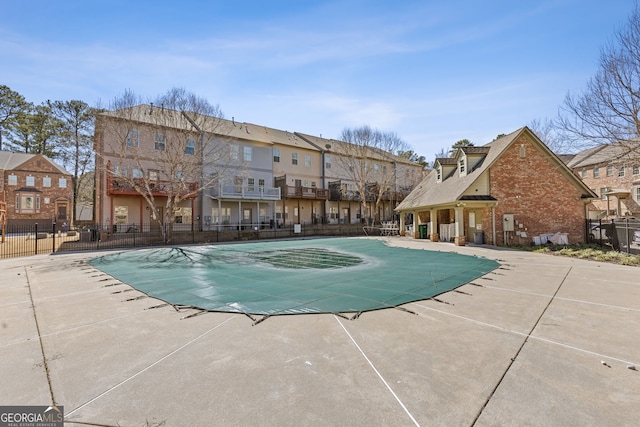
x,y
434,72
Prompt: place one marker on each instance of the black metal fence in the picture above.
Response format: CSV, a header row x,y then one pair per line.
x,y
622,234
28,240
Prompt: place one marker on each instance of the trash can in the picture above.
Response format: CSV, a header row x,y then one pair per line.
x,y
422,231
478,238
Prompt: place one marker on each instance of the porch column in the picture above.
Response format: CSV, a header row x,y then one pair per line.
x,y
459,238
416,223
433,235
402,223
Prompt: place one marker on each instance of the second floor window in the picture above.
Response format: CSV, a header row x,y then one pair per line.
x,y
46,181
609,170
160,142
294,158
234,151
636,169
621,171
13,180
596,172
251,184
276,155
327,162
137,173
307,160
133,139
62,183
190,147
153,175
248,154
584,173
31,181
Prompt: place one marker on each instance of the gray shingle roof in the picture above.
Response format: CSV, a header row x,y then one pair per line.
x,y
432,193
10,161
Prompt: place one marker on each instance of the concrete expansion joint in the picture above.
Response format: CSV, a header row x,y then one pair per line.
x,y
44,356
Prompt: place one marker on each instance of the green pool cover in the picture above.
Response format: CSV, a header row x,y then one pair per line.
x,y
338,275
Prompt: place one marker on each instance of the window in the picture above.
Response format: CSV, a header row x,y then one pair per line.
x,y
609,170
333,212
438,174
62,183
248,154
133,139
190,147
121,214
27,203
584,173
637,194
137,173
46,181
220,217
276,155
31,181
603,196
461,165
234,151
13,180
620,171
121,171
327,162
251,184
183,215
153,175
636,169
294,158
596,172
307,160
376,167
237,184
160,142
261,184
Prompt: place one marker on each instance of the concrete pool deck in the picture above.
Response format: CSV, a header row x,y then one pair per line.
x,y
542,341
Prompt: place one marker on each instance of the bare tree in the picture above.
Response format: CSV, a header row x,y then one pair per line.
x,y
368,159
608,110
182,154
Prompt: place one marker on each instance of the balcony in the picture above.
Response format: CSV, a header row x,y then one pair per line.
x,y
246,192
116,186
293,192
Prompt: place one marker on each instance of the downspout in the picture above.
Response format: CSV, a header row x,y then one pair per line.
x,y
493,225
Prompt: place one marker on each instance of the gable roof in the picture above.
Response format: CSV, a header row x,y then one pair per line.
x,y
432,193
11,161
194,122
606,153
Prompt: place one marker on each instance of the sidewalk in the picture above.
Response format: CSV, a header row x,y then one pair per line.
x,y
542,341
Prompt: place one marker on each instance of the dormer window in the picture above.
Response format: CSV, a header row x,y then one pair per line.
x,y
438,173
461,166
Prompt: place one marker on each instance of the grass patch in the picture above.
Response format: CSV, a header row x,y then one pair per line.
x,y
590,252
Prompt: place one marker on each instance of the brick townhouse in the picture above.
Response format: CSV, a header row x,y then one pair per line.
x,y
513,190
612,171
35,189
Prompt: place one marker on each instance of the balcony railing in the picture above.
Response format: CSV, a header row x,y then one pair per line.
x,y
293,192
158,188
246,192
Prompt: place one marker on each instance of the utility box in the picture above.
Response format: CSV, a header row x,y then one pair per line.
x,y
507,222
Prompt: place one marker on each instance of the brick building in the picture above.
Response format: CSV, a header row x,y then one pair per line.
x,y
513,190
612,171
35,189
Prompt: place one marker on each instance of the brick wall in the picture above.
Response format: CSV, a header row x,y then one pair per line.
x,y
50,197
533,189
630,182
